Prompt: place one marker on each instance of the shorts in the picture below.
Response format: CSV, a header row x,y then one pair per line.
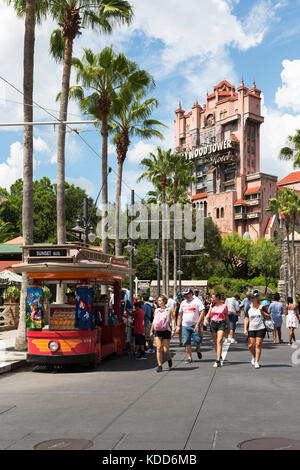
x,y
216,326
162,334
139,339
233,318
189,334
257,333
147,331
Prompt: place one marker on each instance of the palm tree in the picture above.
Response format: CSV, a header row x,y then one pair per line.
x,y
33,11
293,211
105,73
280,206
182,175
72,16
130,117
292,152
158,169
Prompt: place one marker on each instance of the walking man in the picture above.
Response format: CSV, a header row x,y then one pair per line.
x,y
231,305
191,314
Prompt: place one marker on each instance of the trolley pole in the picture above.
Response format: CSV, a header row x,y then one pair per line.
x,y
131,252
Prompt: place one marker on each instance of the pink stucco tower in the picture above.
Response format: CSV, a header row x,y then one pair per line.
x,y
222,138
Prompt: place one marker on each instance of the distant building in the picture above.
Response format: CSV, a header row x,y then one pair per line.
x,y
222,138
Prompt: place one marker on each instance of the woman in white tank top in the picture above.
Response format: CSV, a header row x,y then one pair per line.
x,y
292,318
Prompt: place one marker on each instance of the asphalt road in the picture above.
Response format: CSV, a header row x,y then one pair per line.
x,y
125,405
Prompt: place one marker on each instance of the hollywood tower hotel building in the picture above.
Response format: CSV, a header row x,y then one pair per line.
x,y
222,138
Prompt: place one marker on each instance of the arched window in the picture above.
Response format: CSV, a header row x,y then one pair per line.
x,y
222,212
218,213
210,120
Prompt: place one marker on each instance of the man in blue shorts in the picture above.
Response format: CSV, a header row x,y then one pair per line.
x,y
191,314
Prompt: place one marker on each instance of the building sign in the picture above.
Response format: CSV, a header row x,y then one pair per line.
x,y
119,262
208,149
47,253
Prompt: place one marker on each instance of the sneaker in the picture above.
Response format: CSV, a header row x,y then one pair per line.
x,y
222,361
256,365
159,369
233,341
217,364
252,361
170,363
149,351
199,354
141,358
188,361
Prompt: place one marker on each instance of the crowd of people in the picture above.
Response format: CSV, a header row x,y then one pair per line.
x,y
155,321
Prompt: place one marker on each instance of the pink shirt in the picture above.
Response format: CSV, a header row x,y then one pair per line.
x,y
218,312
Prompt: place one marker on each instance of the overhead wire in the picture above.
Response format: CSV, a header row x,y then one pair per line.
x,y
72,130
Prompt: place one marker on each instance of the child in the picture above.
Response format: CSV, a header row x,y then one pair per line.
x,y
139,330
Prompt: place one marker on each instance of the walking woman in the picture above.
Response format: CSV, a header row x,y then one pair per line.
x,y
161,328
219,319
176,312
254,328
276,312
292,318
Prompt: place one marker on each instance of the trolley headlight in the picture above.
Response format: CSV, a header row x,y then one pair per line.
x,y
53,346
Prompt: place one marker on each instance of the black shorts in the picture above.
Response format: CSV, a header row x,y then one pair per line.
x,y
139,339
216,326
163,334
257,333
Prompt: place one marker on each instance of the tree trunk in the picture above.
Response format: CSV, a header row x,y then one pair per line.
x,y
104,134
118,250
61,144
27,208
289,261
175,266
167,268
163,243
294,274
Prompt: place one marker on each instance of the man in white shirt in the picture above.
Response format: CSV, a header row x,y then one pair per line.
x,y
198,296
191,314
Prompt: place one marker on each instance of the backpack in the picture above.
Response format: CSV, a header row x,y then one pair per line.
x,y
162,320
230,302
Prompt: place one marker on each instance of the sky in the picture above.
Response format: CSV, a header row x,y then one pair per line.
x,y
188,47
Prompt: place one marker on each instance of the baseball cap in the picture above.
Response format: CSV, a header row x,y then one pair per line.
x,y
179,293
265,302
254,295
188,291
151,299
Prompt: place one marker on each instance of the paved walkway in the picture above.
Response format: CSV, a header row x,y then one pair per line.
x,y
9,358
125,405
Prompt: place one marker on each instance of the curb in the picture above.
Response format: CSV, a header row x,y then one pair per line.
x,y
14,365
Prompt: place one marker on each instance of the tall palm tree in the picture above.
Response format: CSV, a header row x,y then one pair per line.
x,y
280,206
130,117
182,176
293,211
72,16
105,73
158,168
33,11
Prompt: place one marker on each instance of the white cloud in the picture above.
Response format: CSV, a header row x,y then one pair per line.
x,y
83,183
274,132
288,95
40,145
139,151
12,168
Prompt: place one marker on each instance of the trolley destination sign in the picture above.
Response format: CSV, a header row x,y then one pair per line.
x,y
47,253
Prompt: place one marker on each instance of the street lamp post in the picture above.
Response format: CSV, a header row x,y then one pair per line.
x,y
179,272
157,260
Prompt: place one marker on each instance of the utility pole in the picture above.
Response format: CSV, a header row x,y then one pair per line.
x,y
131,251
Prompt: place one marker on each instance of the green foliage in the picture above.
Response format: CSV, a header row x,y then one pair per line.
x,y
235,254
47,293
44,202
12,291
265,258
